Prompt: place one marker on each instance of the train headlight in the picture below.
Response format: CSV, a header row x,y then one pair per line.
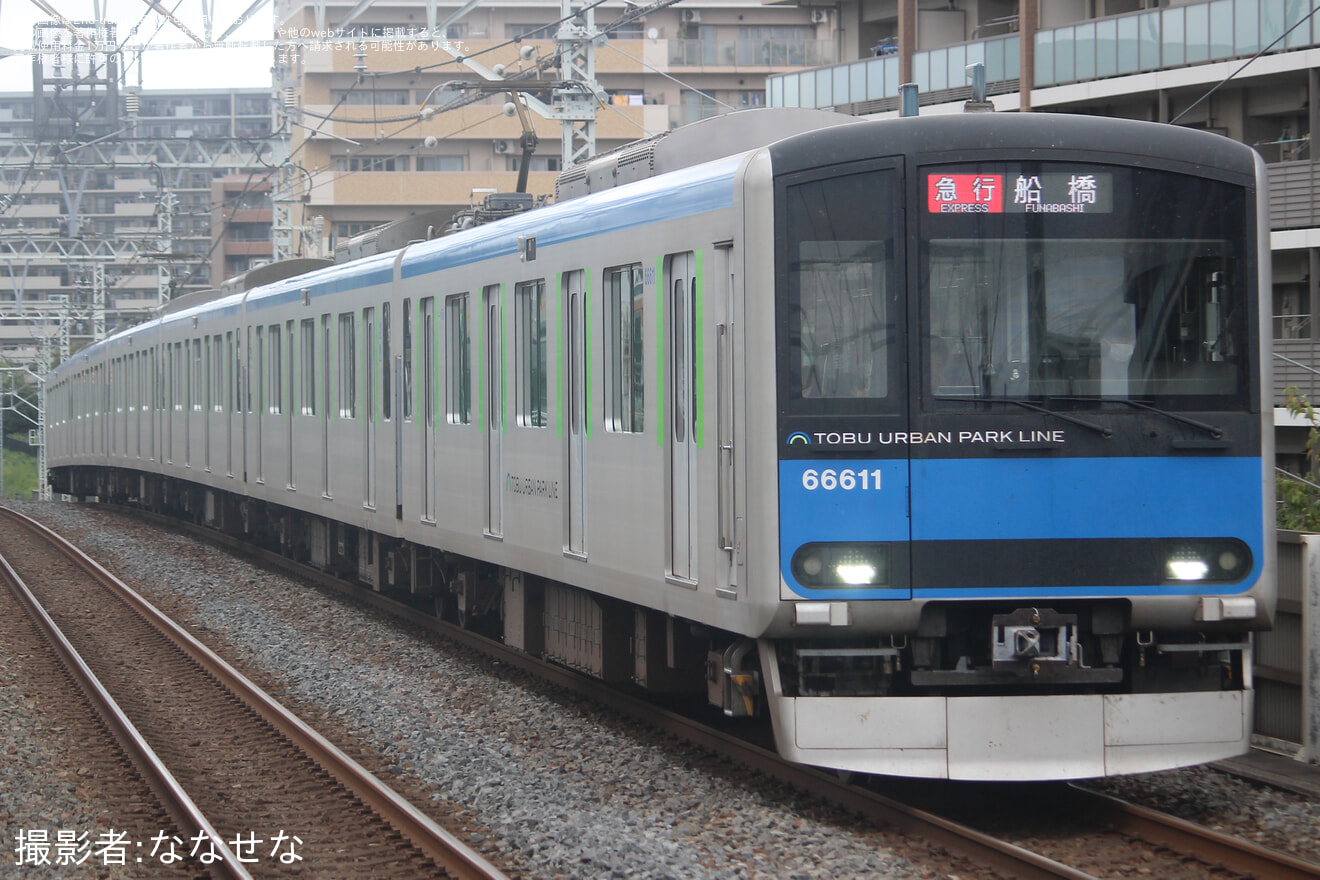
x,y
841,566
1214,560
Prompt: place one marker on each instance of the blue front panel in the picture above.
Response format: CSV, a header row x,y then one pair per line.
x,y
853,500
1063,498
1019,500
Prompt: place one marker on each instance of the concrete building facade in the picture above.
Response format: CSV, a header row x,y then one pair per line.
x,y
382,125
98,228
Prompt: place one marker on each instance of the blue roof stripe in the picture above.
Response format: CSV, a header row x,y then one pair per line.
x,y
682,193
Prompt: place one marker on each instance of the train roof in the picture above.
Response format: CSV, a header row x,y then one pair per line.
x,y
694,144
1091,137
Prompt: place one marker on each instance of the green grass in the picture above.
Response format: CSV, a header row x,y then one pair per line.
x,y
20,470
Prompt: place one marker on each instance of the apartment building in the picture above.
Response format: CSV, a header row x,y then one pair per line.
x,y
384,126
101,223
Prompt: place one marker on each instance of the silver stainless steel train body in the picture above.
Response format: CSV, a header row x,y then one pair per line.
x,y
944,443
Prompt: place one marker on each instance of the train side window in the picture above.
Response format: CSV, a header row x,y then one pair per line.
x,y
186,364
530,351
260,381
625,350
176,369
204,381
276,371
458,361
369,363
232,402
308,342
386,365
217,373
197,388
291,386
430,363
326,356
347,366
407,361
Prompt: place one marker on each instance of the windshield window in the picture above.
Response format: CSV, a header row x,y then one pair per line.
x,y
1139,293
1082,319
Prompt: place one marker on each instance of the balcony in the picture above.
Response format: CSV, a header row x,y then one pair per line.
x,y
733,55
1294,188
1120,45
1292,367
876,79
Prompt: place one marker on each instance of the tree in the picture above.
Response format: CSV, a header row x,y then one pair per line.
x,y
1299,496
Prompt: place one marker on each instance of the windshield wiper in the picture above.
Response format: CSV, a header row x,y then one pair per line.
x,y
1099,429
1213,430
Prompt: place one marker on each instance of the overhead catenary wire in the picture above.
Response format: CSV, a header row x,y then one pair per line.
x,y
1225,80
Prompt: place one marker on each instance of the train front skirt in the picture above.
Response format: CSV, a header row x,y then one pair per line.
x,y
1008,738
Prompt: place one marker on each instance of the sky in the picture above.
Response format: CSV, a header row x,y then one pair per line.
x,y
237,67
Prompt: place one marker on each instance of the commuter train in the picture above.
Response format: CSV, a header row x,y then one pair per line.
x,y
943,443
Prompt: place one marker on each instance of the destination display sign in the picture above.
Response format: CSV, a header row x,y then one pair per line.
x,y
1084,192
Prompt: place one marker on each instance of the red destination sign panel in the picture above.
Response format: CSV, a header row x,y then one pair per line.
x,y
965,193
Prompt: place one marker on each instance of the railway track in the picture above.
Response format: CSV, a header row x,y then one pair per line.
x,y
1232,856
244,787
1104,839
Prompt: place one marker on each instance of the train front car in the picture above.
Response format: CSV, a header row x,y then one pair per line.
x,y
1023,447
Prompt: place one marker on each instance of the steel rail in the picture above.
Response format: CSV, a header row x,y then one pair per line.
x,y
1154,827
459,860
181,808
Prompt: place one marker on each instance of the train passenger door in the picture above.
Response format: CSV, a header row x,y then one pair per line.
x,y
727,514
426,313
258,380
576,359
229,401
204,365
290,410
325,406
188,401
681,294
494,414
369,411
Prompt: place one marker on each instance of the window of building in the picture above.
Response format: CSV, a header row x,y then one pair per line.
x,y
530,31
538,163
441,163
371,163
371,97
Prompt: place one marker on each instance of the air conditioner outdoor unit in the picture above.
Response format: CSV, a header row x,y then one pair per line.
x,y
691,15
501,146
820,16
